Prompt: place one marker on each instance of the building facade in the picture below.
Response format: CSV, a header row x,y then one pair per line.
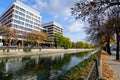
x,y
21,17
52,28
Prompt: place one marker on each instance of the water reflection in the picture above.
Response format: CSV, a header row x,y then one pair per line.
x,y
43,67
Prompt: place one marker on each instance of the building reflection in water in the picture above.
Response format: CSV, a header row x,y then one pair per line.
x,y
43,67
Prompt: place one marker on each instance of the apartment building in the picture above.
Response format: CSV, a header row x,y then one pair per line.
x,y
21,17
51,29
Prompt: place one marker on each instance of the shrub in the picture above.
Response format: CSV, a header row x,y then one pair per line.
x,y
27,49
25,58
3,49
80,71
8,49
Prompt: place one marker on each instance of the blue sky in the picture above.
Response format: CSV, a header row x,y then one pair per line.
x,y
55,10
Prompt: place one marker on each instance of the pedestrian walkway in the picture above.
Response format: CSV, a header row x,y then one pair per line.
x,y
115,65
107,72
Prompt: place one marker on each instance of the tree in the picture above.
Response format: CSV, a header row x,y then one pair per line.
x,y
8,33
114,23
94,12
58,39
61,41
36,36
39,37
81,44
67,43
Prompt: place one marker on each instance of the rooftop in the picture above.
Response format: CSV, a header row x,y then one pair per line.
x,y
52,23
25,6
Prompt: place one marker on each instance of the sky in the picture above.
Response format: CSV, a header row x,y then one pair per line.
x,y
55,10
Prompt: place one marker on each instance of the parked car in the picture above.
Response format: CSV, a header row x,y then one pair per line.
x,y
1,44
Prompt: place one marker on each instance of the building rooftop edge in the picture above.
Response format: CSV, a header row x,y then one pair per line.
x,y
52,22
19,2
22,4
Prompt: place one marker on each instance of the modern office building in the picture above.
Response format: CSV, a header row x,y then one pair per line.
x,y
21,17
51,29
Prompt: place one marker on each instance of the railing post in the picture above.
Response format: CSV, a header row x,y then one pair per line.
x,y
99,64
99,55
96,65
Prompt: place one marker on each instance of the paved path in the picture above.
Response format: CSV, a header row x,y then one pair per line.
x,y
114,65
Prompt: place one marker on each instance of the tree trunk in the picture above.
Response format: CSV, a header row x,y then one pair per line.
x,y
108,46
117,50
9,42
117,35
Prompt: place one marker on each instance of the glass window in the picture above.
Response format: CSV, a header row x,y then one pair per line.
x,y
17,7
16,21
22,23
27,20
21,18
28,17
21,14
31,22
21,9
16,11
16,16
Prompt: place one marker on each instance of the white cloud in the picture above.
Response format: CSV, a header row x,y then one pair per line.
x,y
75,26
76,37
60,8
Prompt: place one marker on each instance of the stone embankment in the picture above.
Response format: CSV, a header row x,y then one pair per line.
x,y
20,52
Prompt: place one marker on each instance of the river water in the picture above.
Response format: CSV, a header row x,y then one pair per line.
x,y
42,67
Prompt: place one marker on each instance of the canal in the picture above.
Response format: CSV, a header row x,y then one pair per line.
x,y
42,67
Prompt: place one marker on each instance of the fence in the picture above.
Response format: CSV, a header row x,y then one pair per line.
x,y
94,72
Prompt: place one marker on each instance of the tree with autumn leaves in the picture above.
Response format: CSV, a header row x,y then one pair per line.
x,y
36,36
8,34
95,12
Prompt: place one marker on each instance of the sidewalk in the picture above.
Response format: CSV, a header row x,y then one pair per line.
x,y
114,65
107,71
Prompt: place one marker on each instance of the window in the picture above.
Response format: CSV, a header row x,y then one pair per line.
x,y
22,14
28,17
17,7
27,20
22,23
21,18
31,22
21,9
16,16
16,12
16,21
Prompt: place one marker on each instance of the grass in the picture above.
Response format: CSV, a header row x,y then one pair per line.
x,y
80,71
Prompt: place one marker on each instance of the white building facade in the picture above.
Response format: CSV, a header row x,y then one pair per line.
x,y
21,17
51,29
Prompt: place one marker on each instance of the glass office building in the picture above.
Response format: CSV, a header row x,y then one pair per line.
x,y
22,18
